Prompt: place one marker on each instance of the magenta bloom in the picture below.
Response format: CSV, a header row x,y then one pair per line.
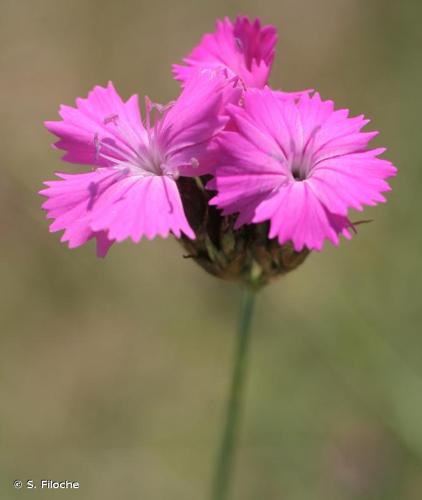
x,y
299,164
244,48
132,190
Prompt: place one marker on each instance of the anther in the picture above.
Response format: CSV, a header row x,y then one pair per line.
x,y
239,44
161,108
194,162
111,119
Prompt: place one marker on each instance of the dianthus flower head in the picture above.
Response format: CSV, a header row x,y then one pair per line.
x,y
131,191
299,164
245,48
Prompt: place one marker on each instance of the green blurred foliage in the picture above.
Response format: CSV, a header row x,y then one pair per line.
x,y
114,373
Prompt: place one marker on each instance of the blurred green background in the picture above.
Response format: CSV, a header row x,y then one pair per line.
x,y
114,372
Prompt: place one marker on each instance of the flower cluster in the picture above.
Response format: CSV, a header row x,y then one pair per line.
x,y
249,178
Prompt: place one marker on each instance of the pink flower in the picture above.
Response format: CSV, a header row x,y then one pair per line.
x,y
244,48
299,164
132,190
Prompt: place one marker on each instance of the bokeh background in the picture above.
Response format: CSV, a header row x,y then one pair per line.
x,y
114,372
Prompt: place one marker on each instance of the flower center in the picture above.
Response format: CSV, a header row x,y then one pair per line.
x,y
298,172
141,153
302,159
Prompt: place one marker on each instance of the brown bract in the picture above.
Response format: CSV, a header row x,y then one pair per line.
x,y
244,255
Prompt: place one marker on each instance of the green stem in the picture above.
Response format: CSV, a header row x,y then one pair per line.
x,y
226,454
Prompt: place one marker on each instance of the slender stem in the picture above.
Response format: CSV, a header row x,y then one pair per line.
x,y
225,457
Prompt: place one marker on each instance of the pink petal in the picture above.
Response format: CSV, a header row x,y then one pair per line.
x,y
197,114
100,119
351,181
147,206
267,121
297,215
103,243
299,163
245,48
189,126
113,205
244,175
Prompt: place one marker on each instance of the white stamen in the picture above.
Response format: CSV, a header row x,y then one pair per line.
x,y
148,108
119,151
134,150
97,144
170,171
